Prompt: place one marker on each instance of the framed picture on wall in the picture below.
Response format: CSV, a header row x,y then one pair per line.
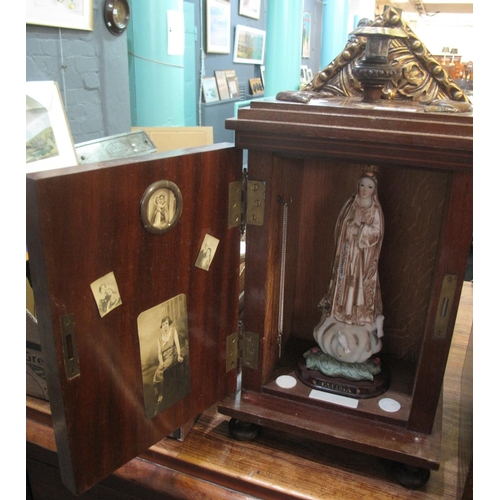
x,y
306,35
218,27
210,92
250,8
249,44
75,15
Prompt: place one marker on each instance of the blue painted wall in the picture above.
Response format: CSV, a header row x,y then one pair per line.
x,y
91,69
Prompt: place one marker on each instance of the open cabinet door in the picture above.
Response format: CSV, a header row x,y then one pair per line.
x,y
110,260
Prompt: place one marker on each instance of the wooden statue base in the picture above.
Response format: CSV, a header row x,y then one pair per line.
x,y
342,386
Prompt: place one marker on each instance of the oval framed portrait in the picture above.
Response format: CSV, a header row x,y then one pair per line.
x,y
161,207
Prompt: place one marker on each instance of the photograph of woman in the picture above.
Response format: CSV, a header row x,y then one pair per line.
x,y
164,346
169,352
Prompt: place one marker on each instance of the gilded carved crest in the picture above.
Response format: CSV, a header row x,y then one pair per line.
x,y
420,77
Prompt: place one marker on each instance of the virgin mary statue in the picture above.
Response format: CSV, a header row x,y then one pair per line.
x,y
351,326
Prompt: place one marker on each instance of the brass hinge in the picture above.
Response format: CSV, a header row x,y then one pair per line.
x,y
445,302
243,346
246,203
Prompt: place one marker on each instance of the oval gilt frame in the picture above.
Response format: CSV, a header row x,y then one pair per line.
x,y
161,207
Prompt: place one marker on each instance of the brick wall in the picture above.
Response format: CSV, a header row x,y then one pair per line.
x,y
91,68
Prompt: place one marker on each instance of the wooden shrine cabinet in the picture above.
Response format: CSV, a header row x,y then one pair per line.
x,y
88,221
309,156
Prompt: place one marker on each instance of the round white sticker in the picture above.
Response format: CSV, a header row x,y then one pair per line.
x,y
286,381
389,405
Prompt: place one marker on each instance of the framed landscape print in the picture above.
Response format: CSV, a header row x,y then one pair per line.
x,y
218,27
210,92
77,14
250,8
49,143
249,44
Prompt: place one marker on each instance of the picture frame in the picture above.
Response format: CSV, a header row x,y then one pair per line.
x,y
303,73
249,45
232,83
256,87
210,92
263,75
78,15
306,35
218,27
250,8
49,143
220,78
161,207
309,75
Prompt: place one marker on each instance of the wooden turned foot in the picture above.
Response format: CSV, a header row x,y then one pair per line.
x,y
410,476
243,431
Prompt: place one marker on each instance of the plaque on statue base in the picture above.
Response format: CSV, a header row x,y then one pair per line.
x,y
343,387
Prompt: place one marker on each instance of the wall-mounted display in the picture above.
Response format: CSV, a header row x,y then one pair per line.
x,y
249,44
220,77
250,8
49,143
74,14
218,26
161,207
209,85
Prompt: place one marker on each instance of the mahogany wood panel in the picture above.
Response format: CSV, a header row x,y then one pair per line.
x,y
278,465
425,188
85,222
344,128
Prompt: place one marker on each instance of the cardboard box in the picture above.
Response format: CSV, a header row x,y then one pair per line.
x,y
170,138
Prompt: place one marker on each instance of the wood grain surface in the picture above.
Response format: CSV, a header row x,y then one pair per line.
x,y
277,465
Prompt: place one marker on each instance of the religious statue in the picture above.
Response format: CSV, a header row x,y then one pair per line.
x,y
352,322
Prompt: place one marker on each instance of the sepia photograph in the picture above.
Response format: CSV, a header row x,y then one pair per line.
x,y
161,207
164,347
106,293
207,252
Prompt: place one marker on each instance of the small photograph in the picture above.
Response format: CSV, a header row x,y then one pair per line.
x,y
106,294
210,92
161,207
207,252
164,347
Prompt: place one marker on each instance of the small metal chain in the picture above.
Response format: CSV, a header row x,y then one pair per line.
x,y
281,305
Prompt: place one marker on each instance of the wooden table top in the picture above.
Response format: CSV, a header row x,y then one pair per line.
x,y
208,463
